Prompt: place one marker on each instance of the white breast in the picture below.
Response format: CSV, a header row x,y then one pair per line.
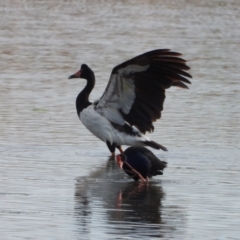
x,y
96,124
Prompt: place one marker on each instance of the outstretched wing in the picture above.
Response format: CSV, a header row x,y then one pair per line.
x,y
136,89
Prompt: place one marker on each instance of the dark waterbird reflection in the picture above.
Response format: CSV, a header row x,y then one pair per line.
x,y
109,202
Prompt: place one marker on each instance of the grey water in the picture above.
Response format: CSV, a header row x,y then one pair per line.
x,y
57,181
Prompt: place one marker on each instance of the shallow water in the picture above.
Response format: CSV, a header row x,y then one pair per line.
x,y
57,181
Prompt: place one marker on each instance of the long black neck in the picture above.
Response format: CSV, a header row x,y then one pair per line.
x,y
82,98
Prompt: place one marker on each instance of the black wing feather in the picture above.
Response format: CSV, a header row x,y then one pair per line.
x,y
162,69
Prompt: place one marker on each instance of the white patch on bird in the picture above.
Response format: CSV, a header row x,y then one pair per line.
x,y
126,87
119,95
99,126
133,69
126,90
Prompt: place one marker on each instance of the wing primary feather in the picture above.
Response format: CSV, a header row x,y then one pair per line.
x,y
160,69
180,84
175,74
153,79
167,59
174,65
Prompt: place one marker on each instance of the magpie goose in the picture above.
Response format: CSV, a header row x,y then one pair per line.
x,y
140,163
133,98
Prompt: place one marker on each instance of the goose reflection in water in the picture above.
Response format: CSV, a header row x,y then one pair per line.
x,y
111,204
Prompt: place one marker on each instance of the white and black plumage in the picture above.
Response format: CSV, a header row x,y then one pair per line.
x,y
133,99
140,163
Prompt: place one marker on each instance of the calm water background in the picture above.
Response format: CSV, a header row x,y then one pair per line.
x,y
56,179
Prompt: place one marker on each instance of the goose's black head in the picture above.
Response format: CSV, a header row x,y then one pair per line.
x,y
84,72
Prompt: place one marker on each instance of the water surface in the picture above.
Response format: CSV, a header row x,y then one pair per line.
x,y
57,181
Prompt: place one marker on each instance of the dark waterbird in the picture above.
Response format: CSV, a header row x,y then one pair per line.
x,y
140,163
133,99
